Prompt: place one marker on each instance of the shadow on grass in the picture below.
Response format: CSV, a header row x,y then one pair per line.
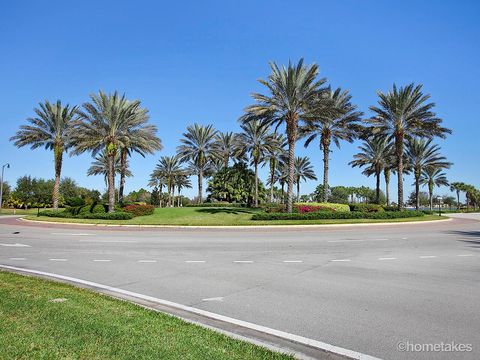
x,y
469,237
234,211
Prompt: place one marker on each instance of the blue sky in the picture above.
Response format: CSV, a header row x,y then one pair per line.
x,y
198,61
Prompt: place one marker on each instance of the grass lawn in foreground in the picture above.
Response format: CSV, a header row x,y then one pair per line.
x,y
202,216
93,326
32,211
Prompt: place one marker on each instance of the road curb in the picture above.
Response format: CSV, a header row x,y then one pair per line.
x,y
301,347
193,227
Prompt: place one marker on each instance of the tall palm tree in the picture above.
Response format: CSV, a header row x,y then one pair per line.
x,y
100,166
303,171
182,182
457,188
433,176
403,113
293,96
197,147
421,154
157,181
342,124
139,137
225,147
275,153
103,123
168,168
373,156
50,128
255,139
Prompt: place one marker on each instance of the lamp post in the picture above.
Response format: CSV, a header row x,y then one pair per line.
x,y
439,199
7,165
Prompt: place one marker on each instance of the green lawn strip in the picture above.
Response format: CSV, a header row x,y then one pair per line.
x,y
32,211
93,326
218,216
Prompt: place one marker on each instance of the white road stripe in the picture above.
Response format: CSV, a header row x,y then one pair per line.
x,y
427,257
341,260
387,258
18,259
220,298
464,255
292,261
102,260
108,241
147,261
347,241
404,238
74,234
15,245
57,259
194,261
243,261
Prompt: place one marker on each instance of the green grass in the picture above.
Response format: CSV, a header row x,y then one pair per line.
x,y
32,211
217,216
93,326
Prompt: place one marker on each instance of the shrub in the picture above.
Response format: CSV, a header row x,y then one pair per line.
x,y
326,206
216,204
139,209
302,209
274,208
53,213
74,201
390,208
119,215
337,215
97,209
366,207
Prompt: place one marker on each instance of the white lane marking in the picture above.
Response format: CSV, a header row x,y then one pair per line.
x,y
220,298
15,245
102,260
195,261
57,259
108,241
18,259
341,260
281,334
74,234
147,261
243,261
428,257
464,255
347,241
387,258
404,238
293,261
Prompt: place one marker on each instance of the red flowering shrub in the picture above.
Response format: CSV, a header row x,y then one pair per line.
x,y
139,209
302,209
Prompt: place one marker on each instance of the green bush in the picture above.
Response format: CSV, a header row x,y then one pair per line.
x,y
327,215
366,207
390,208
275,208
216,204
331,206
53,213
74,201
139,209
97,209
119,215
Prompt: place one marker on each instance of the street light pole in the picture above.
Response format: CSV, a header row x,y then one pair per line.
x,y
7,165
439,199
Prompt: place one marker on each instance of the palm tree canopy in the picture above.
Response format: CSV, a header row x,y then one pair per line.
x,y
434,176
49,128
373,156
100,165
168,167
226,147
304,169
197,144
421,153
256,139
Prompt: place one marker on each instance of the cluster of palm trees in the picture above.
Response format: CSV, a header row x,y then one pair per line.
x,y
472,194
109,126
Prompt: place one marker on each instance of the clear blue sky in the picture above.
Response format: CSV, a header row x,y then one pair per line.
x,y
198,61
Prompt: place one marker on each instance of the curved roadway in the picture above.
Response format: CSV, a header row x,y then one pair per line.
x,y
364,288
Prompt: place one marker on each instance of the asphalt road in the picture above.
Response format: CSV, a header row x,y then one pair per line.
x,y
362,288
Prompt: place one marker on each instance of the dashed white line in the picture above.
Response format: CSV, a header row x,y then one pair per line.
x,y
18,259
387,258
464,255
147,261
194,261
15,245
57,259
102,260
404,238
427,257
108,241
341,260
243,261
73,234
293,261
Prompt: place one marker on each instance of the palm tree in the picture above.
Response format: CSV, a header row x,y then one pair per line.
x,y
303,171
168,168
342,124
401,114
421,154
103,124
139,137
373,156
294,92
433,176
100,166
275,153
157,181
255,140
50,128
197,147
182,182
225,147
457,187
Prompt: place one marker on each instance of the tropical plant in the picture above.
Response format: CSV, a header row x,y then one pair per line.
x,y
226,148
295,94
103,124
256,140
50,128
432,176
274,156
373,156
197,148
401,114
421,154
343,123
100,166
457,187
303,172
168,168
182,181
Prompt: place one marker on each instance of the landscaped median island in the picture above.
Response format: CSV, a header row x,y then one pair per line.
x,y
221,214
48,320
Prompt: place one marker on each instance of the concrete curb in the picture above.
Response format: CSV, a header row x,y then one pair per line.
x,y
193,227
243,327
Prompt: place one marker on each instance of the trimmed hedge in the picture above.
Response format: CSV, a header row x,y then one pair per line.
x,y
366,207
327,215
119,215
326,206
139,209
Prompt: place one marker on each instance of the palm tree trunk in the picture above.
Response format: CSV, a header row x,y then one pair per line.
x,y
58,154
272,179
298,189
377,188
111,182
458,199
291,172
326,151
430,195
283,193
387,183
399,153
200,185
417,190
256,182
123,170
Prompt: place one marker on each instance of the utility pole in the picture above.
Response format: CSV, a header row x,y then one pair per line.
x,y
7,165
